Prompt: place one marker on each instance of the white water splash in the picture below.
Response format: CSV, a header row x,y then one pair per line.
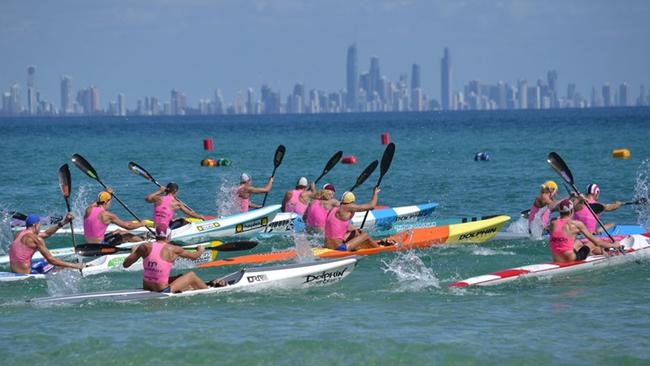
x,y
642,191
6,236
82,198
536,226
483,251
225,200
64,282
411,272
304,251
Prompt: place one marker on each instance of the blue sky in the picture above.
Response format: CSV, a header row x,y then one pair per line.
x,y
147,47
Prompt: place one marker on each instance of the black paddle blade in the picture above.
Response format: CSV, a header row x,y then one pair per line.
x,y
18,215
640,201
64,180
560,167
279,155
597,207
365,174
138,170
387,158
84,166
93,250
333,161
235,246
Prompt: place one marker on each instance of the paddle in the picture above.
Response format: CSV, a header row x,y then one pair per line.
x,y
277,160
93,250
18,215
640,201
564,172
365,174
386,159
138,170
65,183
330,164
88,169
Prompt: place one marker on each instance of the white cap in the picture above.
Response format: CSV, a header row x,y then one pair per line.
x,y
302,182
244,177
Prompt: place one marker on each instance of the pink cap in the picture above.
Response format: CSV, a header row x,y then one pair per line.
x,y
565,206
329,187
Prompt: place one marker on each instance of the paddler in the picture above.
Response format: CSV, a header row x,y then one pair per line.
x,y
564,245
246,190
29,241
158,259
316,213
543,205
98,217
166,204
340,234
296,200
583,214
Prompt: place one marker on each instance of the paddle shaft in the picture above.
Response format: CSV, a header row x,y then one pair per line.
x,y
150,178
595,216
386,160
277,160
124,205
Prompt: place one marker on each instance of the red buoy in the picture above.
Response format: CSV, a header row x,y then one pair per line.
x,y
208,144
349,159
385,138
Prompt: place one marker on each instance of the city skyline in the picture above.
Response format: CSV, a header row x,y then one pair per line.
x,y
371,92
196,46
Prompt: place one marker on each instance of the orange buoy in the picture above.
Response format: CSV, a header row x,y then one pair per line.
x,y
385,138
349,159
209,162
621,153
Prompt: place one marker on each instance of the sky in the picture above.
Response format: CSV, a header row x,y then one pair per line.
x,y
147,47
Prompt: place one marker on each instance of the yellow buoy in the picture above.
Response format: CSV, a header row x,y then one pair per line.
x,y
621,153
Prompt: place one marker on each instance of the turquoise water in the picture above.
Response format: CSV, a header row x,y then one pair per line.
x,y
395,308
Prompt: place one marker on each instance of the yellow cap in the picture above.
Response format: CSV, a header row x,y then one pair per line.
x,y
348,197
550,185
104,197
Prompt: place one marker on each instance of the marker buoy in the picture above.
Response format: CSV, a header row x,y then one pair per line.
x,y
208,144
622,154
385,138
349,159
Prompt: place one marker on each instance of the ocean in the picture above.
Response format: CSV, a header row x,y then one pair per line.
x,y
394,309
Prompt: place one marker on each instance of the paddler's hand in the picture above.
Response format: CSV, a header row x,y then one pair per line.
x,y
68,218
200,249
376,191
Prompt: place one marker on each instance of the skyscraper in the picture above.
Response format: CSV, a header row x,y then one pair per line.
x,y
415,77
121,105
352,78
94,99
66,94
32,100
624,95
375,79
445,80
522,94
607,95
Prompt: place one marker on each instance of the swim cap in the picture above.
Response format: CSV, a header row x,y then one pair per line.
x,y
329,187
565,206
32,220
244,178
348,197
171,187
549,184
593,189
163,232
302,182
104,197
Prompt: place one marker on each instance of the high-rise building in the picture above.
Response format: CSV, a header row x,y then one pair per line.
x,y
66,94
551,79
522,94
624,95
445,80
94,99
32,100
415,77
121,105
607,95
178,102
218,105
534,97
641,101
352,79
250,101
501,100
375,78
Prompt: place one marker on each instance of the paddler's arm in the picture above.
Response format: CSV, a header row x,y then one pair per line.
x,y
40,245
597,241
187,211
152,198
193,255
370,205
265,189
136,253
54,228
128,225
613,206
287,198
